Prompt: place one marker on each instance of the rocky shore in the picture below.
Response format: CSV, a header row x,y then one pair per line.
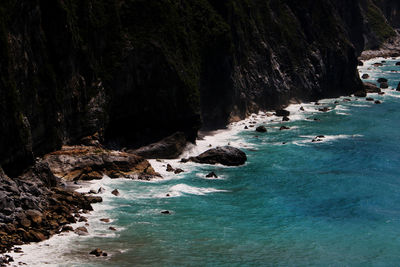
x,y
40,202
390,48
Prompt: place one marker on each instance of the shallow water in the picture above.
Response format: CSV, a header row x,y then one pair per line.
x,y
335,202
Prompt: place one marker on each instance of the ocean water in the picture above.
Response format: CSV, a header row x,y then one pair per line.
x,y
294,203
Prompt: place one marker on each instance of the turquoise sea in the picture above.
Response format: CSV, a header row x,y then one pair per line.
x,y
294,203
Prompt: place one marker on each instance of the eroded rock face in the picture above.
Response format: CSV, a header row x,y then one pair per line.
x,y
225,155
73,163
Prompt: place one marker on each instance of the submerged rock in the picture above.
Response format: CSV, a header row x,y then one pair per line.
x,y
225,155
384,85
211,175
261,129
284,128
382,80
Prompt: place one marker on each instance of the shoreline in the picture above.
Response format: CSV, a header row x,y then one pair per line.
x,y
214,138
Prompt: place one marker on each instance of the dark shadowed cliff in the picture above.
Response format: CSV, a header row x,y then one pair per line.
x,y
138,70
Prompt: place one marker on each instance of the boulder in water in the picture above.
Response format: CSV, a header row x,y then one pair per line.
x,y
261,129
381,80
371,88
211,175
282,113
384,85
365,76
225,155
360,94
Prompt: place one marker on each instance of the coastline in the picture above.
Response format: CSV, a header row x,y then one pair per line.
x,y
215,138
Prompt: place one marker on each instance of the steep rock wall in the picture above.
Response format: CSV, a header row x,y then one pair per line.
x,y
135,71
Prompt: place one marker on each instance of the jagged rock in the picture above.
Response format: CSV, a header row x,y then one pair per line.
x,y
115,192
101,190
384,85
67,228
371,88
285,119
225,155
377,102
282,113
261,129
245,127
211,175
81,231
382,80
365,76
168,148
73,163
169,168
302,108
178,171
94,199
112,228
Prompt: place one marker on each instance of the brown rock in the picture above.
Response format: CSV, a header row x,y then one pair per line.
x,y
35,216
106,220
178,171
81,231
112,228
169,168
115,192
97,252
67,228
360,94
283,127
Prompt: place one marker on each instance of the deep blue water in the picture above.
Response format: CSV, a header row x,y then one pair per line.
x,y
333,203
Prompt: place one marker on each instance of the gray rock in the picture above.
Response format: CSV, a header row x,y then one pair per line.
x,y
225,155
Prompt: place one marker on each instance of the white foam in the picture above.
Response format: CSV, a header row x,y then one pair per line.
x,y
180,189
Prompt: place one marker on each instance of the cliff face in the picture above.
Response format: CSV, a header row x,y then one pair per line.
x,y
391,9
135,71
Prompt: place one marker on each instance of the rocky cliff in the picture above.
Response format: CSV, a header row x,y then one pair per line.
x,y
136,71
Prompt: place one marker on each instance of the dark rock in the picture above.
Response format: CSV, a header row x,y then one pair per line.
x,y
397,63
165,212
336,102
225,155
398,87
282,113
178,171
115,192
384,85
112,228
377,64
381,80
369,99
284,128
371,88
347,100
377,102
302,108
82,219
104,254
360,63
245,127
360,94
94,199
169,168
211,175
261,129
285,119
106,220
97,252
101,190
324,109
183,160
365,76
168,148
67,228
